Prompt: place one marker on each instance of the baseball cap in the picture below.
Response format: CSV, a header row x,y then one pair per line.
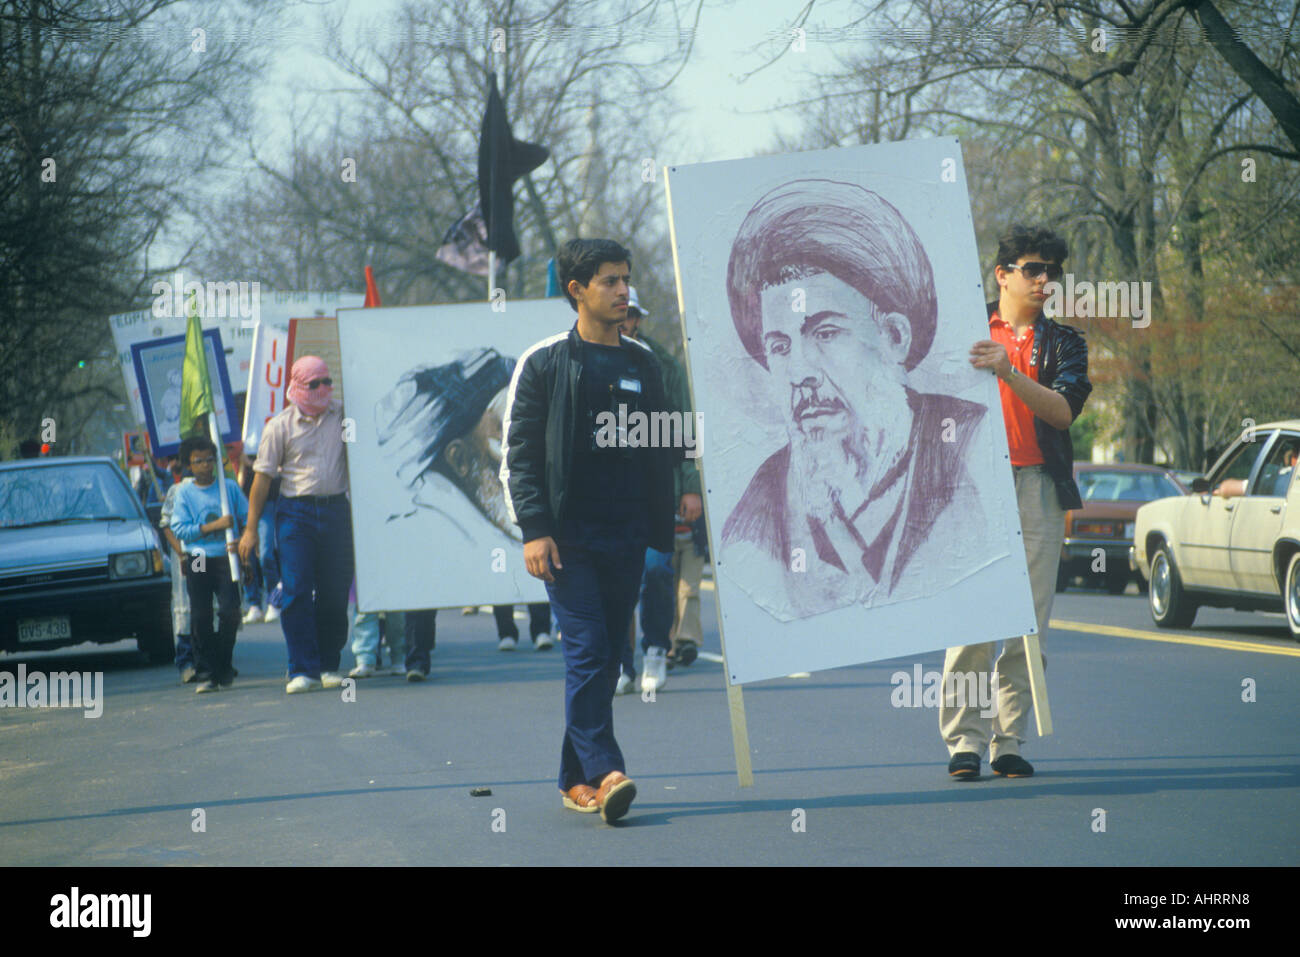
x,y
633,303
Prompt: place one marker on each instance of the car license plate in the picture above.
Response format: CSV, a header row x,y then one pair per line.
x,y
44,629
1128,530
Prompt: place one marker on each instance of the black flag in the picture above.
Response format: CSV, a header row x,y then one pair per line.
x,y
501,160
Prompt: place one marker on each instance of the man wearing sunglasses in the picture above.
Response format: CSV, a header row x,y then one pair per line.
x,y
1042,368
303,445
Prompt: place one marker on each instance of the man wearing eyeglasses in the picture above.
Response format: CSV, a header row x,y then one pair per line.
x,y
1042,368
303,445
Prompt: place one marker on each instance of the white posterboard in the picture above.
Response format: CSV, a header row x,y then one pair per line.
x,y
229,315
859,492
267,379
425,394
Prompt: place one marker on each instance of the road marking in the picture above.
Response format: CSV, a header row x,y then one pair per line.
x,y
1228,644
706,585
710,656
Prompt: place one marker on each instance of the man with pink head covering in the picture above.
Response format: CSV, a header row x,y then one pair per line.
x,y
303,445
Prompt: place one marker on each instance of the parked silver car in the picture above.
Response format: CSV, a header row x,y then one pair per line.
x,y
79,559
1235,541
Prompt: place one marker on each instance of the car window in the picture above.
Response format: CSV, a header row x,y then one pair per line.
x,y
1101,485
1279,469
85,492
1240,462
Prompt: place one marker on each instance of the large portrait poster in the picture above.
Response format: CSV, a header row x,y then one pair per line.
x,y
159,368
859,492
426,395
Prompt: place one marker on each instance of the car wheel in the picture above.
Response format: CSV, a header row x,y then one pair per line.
x,y
1117,581
1170,607
1292,595
156,642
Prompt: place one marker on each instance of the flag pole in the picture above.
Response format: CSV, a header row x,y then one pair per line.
x,y
232,557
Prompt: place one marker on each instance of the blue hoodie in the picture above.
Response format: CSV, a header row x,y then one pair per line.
x,y
198,505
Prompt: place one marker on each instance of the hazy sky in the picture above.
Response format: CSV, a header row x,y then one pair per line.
x,y
722,117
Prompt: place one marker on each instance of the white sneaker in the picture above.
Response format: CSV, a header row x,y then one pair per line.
x,y
330,679
542,642
300,684
253,615
397,667
654,669
624,685
272,614
363,669
507,644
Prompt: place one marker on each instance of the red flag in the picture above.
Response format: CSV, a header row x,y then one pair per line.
x,y
372,291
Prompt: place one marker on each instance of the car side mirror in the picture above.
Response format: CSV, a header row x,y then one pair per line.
x,y
1200,486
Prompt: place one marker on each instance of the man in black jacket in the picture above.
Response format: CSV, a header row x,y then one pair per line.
x,y
590,488
1042,368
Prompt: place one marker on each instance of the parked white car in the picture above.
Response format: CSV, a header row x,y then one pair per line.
x,y
1235,541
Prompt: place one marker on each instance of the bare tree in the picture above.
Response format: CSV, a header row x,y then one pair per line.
x,y
110,117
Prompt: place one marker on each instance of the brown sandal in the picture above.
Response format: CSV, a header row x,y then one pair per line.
x,y
615,796
581,797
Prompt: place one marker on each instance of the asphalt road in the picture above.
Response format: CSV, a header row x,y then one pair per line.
x,y
1150,727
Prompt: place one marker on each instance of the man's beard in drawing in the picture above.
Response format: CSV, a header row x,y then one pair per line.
x,y
483,487
846,467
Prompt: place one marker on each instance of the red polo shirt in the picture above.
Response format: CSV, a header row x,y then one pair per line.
x,y
1017,417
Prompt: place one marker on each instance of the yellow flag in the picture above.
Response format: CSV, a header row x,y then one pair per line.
x,y
196,384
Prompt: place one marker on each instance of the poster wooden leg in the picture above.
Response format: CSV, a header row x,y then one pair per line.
x,y
740,734
1038,685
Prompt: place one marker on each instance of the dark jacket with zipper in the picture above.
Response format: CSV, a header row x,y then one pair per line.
x,y
542,424
1060,356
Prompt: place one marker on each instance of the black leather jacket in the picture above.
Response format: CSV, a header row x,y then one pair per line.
x,y
539,431
1060,355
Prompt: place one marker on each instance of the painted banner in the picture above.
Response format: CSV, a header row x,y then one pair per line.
x,y
426,395
158,364
859,491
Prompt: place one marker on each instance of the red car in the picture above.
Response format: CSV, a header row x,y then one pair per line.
x,y
1098,536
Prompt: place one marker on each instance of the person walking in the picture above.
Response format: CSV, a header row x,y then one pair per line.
x,y
588,502
303,445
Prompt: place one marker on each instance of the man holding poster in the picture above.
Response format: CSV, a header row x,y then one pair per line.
x,y
589,500
1042,368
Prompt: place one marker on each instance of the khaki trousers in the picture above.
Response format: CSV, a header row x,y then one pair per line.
x,y
688,570
1042,523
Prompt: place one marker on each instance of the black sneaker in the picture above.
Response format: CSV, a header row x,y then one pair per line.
x,y
684,654
965,766
1012,766
207,687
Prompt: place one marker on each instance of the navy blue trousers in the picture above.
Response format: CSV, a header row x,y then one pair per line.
x,y
592,596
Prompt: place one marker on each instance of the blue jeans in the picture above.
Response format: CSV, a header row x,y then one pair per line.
x,y
657,608
266,563
421,636
365,636
592,596
316,568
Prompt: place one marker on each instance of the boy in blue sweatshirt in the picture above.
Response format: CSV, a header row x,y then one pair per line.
x,y
199,524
